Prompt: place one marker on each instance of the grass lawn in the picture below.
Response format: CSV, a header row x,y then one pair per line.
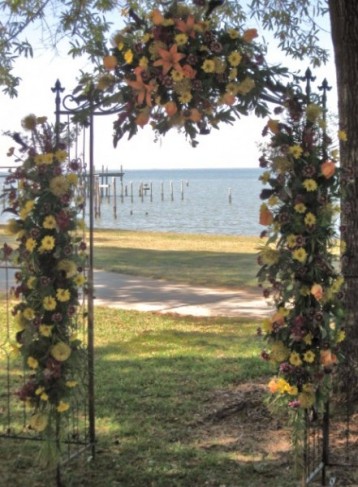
x,y
208,260
179,403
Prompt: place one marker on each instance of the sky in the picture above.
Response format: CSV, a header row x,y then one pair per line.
x,y
231,146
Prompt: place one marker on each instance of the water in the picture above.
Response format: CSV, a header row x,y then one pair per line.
x,y
200,202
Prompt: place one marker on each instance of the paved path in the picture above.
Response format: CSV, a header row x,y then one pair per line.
x,y
143,294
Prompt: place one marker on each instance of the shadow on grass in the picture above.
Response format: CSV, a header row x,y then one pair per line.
x,y
201,268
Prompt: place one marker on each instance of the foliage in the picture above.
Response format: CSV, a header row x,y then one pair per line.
x,y
87,23
50,255
295,25
172,69
298,266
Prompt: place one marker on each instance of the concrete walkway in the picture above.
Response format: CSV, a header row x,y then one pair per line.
x,y
142,294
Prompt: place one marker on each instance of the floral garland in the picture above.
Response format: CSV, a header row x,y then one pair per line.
x,y
42,194
174,69
298,261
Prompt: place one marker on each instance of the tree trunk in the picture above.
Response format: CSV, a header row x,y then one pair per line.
x,y
344,24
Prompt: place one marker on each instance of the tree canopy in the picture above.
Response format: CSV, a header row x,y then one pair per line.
x,y
87,26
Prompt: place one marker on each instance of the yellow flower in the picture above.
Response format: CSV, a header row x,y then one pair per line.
x,y
63,295
267,325
146,37
279,351
300,255
79,280
246,86
208,66
300,208
342,135
71,384
45,330
72,178
337,284
292,390
341,336
310,219
28,314
32,362
306,400
31,281
61,155
310,184
220,66
30,244
128,56
273,200
177,75
59,185
232,74
308,338
67,266
291,241
45,159
44,396
296,151
61,351
39,391
234,58
143,62
265,177
62,407
12,227
181,39
39,422
309,356
49,303
295,359
49,222
313,112
233,34
185,97
120,45
26,209
47,243
269,256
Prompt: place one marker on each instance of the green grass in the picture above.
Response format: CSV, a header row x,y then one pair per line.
x,y
158,379
209,260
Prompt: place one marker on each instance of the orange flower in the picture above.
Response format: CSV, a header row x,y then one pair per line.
x,y
266,217
157,17
249,35
169,59
171,108
143,117
188,71
144,92
317,291
110,62
328,168
328,358
195,115
273,125
187,27
228,99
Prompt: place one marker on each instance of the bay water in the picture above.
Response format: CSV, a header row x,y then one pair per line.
x,y
204,201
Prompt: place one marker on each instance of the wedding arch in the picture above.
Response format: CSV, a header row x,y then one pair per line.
x,y
182,70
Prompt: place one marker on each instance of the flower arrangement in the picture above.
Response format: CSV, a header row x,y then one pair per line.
x,y
298,261
42,193
172,69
